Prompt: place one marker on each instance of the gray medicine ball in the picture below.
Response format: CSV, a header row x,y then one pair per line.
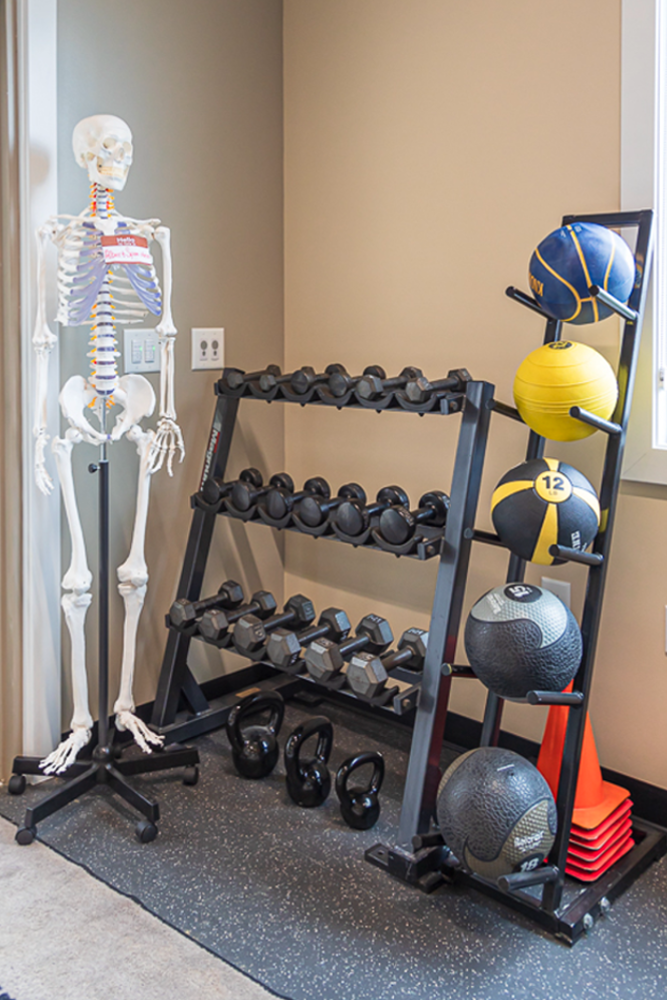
x,y
521,638
496,812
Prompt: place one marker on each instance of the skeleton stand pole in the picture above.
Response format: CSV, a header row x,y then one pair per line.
x,y
106,767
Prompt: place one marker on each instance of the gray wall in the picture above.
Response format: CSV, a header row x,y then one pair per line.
x,y
200,85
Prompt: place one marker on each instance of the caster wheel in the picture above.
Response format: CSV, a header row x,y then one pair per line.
x,y
191,776
146,831
16,784
117,752
25,835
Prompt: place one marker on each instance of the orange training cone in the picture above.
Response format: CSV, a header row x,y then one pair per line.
x,y
601,809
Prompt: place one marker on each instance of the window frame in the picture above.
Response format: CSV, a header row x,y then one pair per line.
x,y
643,164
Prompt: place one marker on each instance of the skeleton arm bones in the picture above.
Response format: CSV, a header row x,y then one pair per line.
x,y
168,439
43,340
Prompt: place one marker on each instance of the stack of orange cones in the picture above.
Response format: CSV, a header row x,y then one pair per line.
x,y
601,830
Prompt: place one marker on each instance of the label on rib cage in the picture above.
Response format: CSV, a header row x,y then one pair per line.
x,y
126,249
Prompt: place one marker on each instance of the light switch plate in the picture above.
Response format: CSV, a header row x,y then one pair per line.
x,y
142,350
561,588
208,347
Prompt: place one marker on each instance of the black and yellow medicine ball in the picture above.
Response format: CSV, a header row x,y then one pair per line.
x,y
541,503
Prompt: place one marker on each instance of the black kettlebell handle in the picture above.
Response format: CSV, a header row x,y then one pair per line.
x,y
309,782
252,704
318,724
353,763
360,808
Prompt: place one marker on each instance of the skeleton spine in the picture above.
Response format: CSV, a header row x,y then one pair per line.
x,y
103,354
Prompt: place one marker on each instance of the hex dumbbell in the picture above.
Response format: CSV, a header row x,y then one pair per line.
x,y
372,387
184,612
313,511
280,501
352,517
305,378
234,379
250,632
245,495
367,674
324,657
397,524
284,647
299,381
215,625
340,382
215,489
418,390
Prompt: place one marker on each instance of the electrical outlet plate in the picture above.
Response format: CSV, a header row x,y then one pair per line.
x,y
561,588
142,351
208,347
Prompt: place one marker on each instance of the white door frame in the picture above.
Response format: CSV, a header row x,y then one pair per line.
x,y
37,87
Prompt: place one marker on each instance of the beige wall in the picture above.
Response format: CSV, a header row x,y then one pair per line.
x,y
200,84
428,147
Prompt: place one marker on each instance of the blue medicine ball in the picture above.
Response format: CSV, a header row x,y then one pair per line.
x,y
571,259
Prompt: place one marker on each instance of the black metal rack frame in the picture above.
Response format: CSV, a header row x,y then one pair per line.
x,y
418,856
176,684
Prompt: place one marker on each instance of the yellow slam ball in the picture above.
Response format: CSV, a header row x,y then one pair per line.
x,y
560,375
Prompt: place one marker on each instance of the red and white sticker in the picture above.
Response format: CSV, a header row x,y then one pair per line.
x,y
126,250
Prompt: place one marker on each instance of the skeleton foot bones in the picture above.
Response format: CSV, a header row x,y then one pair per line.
x,y
66,752
106,277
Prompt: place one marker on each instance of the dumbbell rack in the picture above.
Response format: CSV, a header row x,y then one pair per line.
x,y
472,400
419,856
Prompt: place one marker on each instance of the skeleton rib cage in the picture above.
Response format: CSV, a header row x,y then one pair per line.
x,y
93,292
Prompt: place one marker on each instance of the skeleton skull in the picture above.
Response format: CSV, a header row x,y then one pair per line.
x,y
103,145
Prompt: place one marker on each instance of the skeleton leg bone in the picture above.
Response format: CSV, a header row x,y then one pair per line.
x,y
133,578
75,603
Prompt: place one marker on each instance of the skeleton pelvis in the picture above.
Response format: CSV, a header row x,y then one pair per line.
x,y
134,395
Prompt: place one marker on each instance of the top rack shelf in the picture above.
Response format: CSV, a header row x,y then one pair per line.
x,y
334,387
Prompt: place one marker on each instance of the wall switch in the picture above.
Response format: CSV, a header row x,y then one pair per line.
x,y
208,347
142,351
561,588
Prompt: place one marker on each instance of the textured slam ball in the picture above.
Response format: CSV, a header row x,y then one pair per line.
x,y
541,503
572,259
557,376
496,812
520,638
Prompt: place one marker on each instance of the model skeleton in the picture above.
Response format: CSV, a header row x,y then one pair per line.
x,y
106,277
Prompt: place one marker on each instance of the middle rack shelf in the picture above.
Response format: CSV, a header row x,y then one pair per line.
x,y
422,546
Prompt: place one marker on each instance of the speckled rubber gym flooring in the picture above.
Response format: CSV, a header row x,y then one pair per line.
x,y
285,895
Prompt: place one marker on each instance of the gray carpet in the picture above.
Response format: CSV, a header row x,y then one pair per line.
x,y
284,894
65,935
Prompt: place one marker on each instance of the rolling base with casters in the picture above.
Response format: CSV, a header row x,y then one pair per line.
x,y
106,768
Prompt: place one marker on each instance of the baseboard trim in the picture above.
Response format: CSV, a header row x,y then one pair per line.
x,y
650,801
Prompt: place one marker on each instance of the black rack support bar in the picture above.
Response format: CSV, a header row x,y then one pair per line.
x,y
424,765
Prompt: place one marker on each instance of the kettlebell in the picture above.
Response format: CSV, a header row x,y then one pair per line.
x,y
360,807
309,782
255,748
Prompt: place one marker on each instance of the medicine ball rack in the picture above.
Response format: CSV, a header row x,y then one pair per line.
x,y
419,856
457,393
